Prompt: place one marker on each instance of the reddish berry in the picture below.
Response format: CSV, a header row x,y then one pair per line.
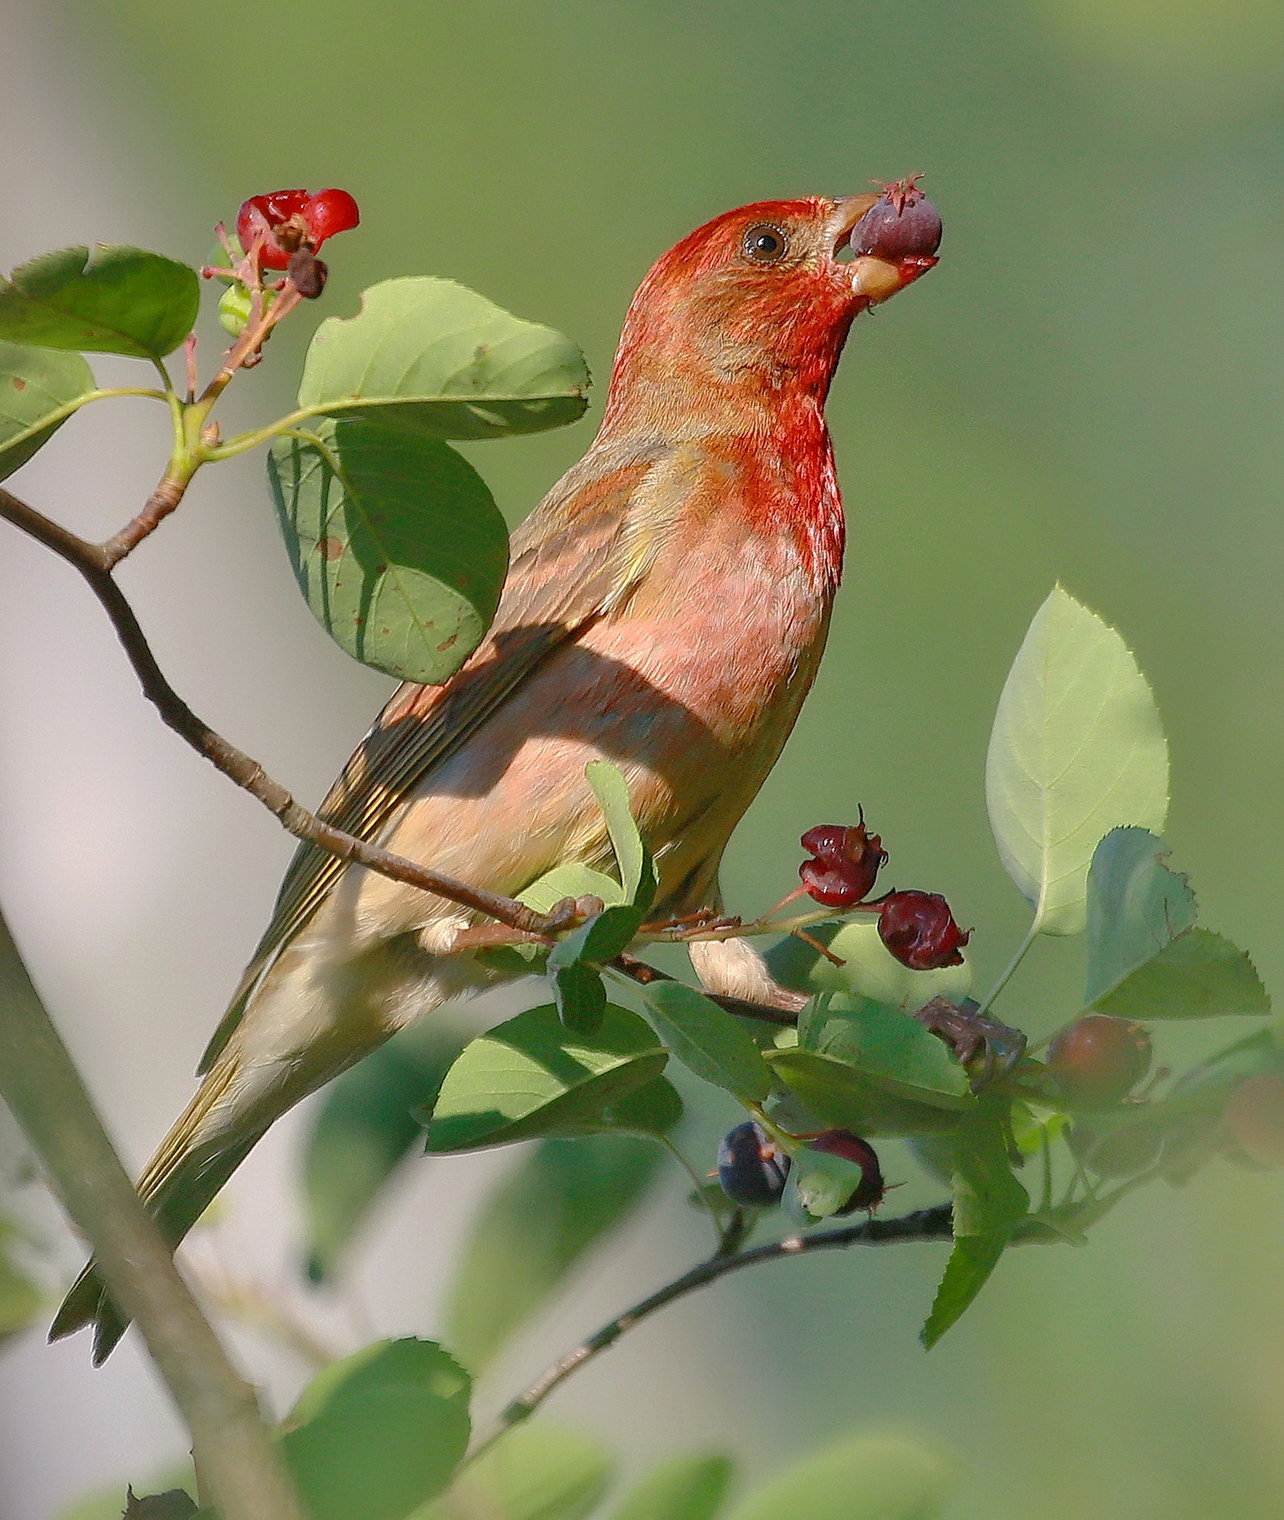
x,y
1098,1060
752,1169
846,865
871,1189
287,220
901,224
1254,1118
919,929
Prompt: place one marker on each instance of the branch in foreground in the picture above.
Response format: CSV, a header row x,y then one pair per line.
x,y
924,1224
238,1464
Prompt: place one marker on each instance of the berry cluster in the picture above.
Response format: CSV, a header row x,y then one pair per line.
x,y
753,1170
917,927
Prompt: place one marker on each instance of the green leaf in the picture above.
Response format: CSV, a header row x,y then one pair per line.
x,y
707,1040
1136,906
364,1127
36,384
989,1204
890,1048
571,880
435,356
845,1098
1077,748
532,1076
637,870
534,1472
395,542
101,300
870,970
1199,975
574,964
379,1433
687,1488
873,1476
822,1183
562,1198
653,1109
21,1301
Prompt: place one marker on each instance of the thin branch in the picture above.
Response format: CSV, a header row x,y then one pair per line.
x,y
238,1464
924,1224
95,562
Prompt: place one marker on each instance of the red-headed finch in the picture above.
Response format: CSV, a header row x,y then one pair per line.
x,y
666,610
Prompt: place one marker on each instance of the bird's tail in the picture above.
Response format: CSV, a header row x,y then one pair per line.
x,y
178,1185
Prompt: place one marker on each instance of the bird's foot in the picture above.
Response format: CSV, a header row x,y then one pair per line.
x,y
684,926
977,1040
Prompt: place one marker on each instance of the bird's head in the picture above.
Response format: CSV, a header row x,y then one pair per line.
x,y
762,298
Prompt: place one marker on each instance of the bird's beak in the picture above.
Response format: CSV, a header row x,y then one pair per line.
x,y
872,278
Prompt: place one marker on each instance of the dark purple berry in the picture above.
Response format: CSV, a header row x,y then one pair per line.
x,y
752,1168
901,224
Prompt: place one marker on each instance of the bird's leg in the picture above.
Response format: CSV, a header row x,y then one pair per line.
x,y
972,1036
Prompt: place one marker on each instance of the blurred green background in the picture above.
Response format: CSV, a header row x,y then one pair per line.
x,y
1087,389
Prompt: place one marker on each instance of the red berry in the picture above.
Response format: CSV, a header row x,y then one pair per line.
x,y
1254,1118
1098,1060
328,212
846,864
286,220
871,1189
919,929
901,224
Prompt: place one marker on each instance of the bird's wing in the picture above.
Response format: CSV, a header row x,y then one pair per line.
x,y
577,556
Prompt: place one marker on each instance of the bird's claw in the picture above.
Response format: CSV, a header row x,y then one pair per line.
x,y
974,1037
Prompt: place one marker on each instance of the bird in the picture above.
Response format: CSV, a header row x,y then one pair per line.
x,y
666,608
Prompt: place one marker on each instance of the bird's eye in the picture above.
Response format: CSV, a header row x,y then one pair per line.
x,y
765,244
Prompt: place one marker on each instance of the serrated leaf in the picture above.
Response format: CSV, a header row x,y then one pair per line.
x,y
36,385
1199,975
1077,748
1136,906
109,300
707,1040
687,1488
562,1198
890,1048
433,355
841,1096
989,1204
873,1476
380,1433
395,541
637,870
363,1128
531,1076
870,970
534,1472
